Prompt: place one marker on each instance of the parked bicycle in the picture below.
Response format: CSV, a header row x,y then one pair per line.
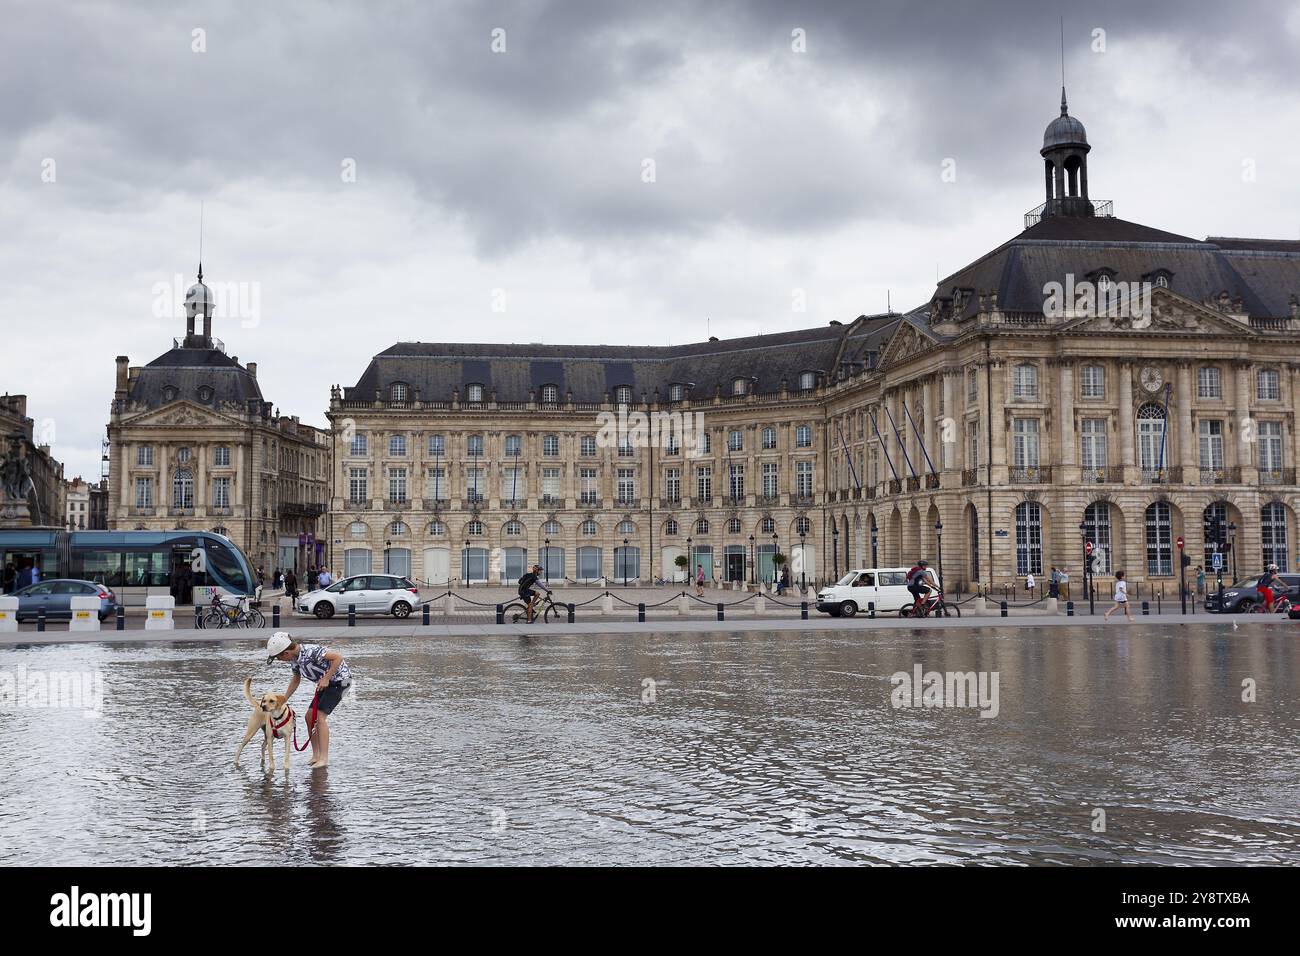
x,y
546,609
243,613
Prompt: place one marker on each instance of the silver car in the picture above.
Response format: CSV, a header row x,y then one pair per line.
x,y
55,596
369,593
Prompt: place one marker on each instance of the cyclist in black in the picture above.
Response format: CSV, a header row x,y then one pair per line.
x,y
918,583
527,584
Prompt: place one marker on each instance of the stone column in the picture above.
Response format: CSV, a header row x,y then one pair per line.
x,y
126,491
1127,456
1244,455
200,477
947,434
1065,425
1187,447
996,442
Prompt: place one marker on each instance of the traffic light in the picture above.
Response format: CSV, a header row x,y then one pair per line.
x,y
1187,560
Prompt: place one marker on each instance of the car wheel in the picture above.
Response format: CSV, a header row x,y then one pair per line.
x,y
848,609
401,609
1246,606
324,610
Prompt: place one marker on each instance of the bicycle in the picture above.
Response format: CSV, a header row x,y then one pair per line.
x,y
1281,605
548,610
933,604
242,613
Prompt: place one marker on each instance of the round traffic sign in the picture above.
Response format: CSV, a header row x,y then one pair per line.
x,y
1087,547
1180,542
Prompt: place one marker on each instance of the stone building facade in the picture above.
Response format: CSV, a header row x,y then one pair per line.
x,y
1091,380
193,445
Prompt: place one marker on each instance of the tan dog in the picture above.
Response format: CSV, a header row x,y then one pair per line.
x,y
273,716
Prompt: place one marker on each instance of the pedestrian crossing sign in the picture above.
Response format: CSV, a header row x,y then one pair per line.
x,y
1216,561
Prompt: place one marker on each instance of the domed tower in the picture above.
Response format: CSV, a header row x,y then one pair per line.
x,y
1065,160
198,302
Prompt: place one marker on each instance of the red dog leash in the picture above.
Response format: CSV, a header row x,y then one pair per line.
x,y
311,723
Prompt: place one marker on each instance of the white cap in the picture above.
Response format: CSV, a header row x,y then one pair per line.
x,y
277,644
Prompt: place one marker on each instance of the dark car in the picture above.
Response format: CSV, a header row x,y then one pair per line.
x,y
1242,596
55,596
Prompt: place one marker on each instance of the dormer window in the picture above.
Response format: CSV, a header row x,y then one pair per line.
x,y
807,380
169,393
474,393
739,386
397,391
676,392
550,394
623,395
1159,278
205,394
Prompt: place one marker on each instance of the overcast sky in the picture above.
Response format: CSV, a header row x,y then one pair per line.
x,y
502,195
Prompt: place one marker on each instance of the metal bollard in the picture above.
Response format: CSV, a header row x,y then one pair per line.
x,y
121,618
871,610
720,616
570,613
198,616
40,618
1004,608
425,616
1069,609
501,613
1146,607
803,610
275,615
352,615
640,613
1158,603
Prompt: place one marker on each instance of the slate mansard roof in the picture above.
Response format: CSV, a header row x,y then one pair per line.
x,y
1263,273
191,372
592,371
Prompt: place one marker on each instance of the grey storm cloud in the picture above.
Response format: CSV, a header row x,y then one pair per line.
x,y
547,138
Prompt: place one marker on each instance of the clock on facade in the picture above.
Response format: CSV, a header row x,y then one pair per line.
x,y
1152,379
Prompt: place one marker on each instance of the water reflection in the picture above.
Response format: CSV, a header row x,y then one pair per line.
x,y
722,748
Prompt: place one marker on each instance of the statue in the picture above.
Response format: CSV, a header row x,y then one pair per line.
x,y
16,483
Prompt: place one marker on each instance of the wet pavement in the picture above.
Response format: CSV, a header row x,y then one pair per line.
x,y
1124,744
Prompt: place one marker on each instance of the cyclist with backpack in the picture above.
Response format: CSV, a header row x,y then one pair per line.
x,y
919,582
527,588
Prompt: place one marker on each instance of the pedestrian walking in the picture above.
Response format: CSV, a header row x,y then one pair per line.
x,y
1030,583
1063,583
1121,597
291,584
324,579
699,580
313,579
1054,584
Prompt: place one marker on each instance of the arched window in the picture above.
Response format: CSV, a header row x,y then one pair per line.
x,y
1029,538
397,528
183,488
551,527
205,394
514,529
397,446
1272,528
733,526
1152,453
474,528
359,529
802,526
626,527
768,526
588,528
1096,522
550,394
702,526
437,529
670,527
1159,532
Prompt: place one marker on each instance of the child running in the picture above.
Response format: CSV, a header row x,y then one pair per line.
x,y
1121,598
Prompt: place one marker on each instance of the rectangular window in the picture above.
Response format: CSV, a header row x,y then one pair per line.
x,y
1270,448
1024,381
587,485
769,479
625,449
359,446
673,484
474,446
1092,447
1093,381
737,477
144,456
588,445
769,438
1208,382
704,482
972,385
358,485
550,445
803,479
437,446
803,436
144,492
1268,386
474,484
972,444
221,456
550,484
626,486
435,483
397,484
1211,441
221,492
397,446
512,485
1025,442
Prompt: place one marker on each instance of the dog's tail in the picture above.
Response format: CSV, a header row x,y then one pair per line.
x,y
248,691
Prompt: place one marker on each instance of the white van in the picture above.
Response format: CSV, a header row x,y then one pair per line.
x,y
885,587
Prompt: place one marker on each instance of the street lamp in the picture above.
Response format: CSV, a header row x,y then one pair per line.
x,y
752,570
875,540
625,562
1087,565
464,562
387,546
690,559
1232,550
803,565
835,548
546,558
938,537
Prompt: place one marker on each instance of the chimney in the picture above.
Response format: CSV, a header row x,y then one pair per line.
x,y
122,379
133,373
252,369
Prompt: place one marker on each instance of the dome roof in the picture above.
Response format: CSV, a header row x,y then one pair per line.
x,y
1065,130
198,298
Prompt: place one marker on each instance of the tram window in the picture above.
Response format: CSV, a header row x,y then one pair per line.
x,y
147,569
104,567
226,566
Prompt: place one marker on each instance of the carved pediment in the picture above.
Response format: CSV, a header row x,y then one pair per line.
x,y
907,340
182,415
1161,311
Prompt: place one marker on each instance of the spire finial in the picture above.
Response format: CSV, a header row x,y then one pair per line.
x,y
200,240
1063,107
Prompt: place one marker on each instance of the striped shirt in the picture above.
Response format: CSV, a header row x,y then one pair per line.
x,y
312,665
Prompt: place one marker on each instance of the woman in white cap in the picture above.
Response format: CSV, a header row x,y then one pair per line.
x,y
327,670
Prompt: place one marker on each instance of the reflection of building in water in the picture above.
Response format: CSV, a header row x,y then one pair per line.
x,y
1022,422
193,445
27,454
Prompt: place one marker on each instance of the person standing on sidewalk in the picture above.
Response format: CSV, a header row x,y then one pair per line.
x,y
699,580
1121,598
1200,581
